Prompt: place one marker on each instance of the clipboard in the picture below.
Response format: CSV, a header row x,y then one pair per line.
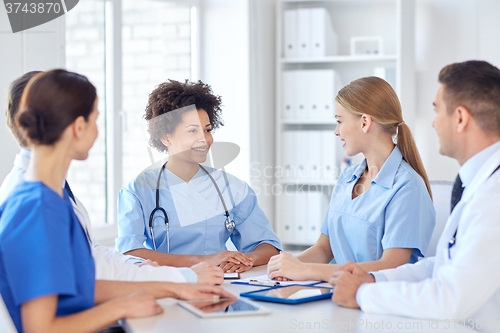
x,y
292,294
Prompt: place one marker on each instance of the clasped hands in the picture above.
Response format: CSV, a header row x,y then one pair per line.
x,y
231,261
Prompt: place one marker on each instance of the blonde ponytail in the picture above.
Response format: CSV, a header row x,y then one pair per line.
x,y
409,150
375,97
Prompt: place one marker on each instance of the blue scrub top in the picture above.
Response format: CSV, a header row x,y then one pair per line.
x,y
43,251
396,212
197,201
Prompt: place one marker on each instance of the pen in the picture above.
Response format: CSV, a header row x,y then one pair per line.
x,y
263,283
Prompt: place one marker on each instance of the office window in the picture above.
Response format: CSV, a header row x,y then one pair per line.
x,y
156,41
156,46
85,54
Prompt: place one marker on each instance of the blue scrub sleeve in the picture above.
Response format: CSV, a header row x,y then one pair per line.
x,y
409,219
37,251
131,224
252,226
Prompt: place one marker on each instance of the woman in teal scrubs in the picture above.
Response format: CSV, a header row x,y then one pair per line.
x,y
381,213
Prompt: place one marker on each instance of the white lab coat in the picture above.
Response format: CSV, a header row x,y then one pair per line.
x,y
109,264
467,286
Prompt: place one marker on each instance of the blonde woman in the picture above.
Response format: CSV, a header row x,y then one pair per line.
x,y
381,213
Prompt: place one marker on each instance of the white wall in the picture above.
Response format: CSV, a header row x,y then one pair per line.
x,y
40,48
224,66
448,31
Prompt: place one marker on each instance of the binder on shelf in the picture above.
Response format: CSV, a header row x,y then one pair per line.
x,y
286,223
287,93
323,37
314,91
300,154
300,215
303,34
328,90
329,153
301,95
314,155
290,33
315,215
288,153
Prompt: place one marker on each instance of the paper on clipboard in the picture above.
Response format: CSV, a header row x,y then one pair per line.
x,y
264,280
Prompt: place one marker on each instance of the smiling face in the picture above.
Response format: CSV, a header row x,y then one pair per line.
x,y
349,130
443,124
191,139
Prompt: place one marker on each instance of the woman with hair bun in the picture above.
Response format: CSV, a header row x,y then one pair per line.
x,y
381,213
47,274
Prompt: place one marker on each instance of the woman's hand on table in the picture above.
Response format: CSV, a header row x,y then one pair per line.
x,y
285,267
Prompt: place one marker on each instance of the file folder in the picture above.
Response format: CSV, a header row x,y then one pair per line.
x,y
303,34
315,212
288,153
323,38
314,155
330,161
290,33
301,95
287,94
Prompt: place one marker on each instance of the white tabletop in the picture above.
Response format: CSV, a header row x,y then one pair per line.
x,y
323,315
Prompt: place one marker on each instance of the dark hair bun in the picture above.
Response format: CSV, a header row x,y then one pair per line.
x,y
32,120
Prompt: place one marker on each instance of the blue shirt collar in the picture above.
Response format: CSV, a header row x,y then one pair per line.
x,y
469,169
25,153
387,173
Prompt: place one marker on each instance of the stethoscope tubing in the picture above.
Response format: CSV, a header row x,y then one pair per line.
x,y
230,224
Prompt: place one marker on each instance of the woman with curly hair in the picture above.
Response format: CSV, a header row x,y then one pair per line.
x,y
183,213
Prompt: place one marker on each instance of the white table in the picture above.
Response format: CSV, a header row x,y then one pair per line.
x,y
324,315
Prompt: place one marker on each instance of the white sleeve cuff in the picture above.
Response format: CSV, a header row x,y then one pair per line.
x,y
189,274
379,276
359,292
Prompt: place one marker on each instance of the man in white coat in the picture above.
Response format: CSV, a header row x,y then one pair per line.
x,y
462,282
109,264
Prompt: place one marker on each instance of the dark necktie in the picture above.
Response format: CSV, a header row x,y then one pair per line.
x,y
456,193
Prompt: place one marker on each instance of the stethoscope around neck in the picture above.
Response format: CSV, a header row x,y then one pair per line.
x,y
230,225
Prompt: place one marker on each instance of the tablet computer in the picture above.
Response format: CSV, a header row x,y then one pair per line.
x,y
225,307
293,294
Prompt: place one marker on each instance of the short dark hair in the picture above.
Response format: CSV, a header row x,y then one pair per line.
x,y
14,94
173,95
474,85
51,102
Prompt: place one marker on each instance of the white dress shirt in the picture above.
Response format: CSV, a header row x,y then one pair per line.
x,y
109,264
461,282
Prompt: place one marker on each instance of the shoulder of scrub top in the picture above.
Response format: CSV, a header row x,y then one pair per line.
x,y
26,198
407,175
146,180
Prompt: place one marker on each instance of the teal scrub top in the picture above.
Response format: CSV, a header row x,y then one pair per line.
x,y
43,251
396,212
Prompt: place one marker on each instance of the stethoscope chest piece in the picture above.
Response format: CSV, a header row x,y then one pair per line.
x,y
230,225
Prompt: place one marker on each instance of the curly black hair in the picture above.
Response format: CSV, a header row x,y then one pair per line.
x,y
172,95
